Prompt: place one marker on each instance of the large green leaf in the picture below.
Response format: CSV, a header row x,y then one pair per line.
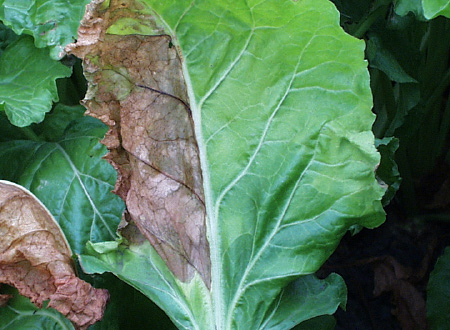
x,y
71,179
52,23
27,82
281,106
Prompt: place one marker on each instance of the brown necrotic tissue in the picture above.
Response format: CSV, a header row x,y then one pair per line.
x,y
136,87
36,259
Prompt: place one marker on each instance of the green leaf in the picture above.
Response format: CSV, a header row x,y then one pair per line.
x,y
52,23
9,131
434,8
380,58
127,308
281,105
428,9
438,293
71,178
306,298
27,82
56,122
21,314
139,265
403,7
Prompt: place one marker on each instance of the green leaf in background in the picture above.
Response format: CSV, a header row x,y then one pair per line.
x,y
434,8
428,9
27,82
21,314
71,178
52,23
438,293
380,58
56,122
403,7
281,105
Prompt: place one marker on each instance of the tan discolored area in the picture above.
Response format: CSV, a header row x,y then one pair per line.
x,y
36,259
137,88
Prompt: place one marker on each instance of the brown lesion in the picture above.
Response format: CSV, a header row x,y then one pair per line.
x,y
36,259
152,142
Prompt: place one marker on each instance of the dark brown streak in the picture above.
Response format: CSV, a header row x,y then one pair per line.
x,y
167,175
170,95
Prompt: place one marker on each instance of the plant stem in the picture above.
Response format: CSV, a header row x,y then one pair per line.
x,y
365,25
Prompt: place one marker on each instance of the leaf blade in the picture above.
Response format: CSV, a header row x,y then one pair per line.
x,y
28,85
71,179
282,118
52,23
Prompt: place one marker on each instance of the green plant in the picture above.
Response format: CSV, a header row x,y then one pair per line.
x,y
261,158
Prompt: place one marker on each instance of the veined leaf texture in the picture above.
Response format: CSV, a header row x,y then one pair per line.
x,y
241,135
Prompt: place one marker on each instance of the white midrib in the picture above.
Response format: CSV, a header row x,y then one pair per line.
x,y
211,222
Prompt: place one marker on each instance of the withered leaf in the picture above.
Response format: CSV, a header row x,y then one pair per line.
x,y
137,88
391,276
36,259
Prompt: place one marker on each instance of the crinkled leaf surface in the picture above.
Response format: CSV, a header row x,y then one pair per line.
x,y
21,314
280,104
36,259
52,23
428,8
71,179
27,82
438,293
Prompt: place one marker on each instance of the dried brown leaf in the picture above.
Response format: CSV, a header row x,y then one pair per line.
x,y
391,276
137,88
36,259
